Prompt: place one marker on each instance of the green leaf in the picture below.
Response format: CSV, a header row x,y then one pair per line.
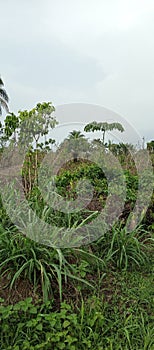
x,y
66,324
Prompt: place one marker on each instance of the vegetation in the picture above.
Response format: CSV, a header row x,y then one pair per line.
x,y
3,97
103,126
98,295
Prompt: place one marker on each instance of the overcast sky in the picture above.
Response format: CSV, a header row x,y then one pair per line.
x,y
86,51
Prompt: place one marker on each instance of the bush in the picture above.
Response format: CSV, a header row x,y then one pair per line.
x,y
30,327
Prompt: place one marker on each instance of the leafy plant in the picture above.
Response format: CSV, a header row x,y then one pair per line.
x,y
124,249
25,258
29,326
103,126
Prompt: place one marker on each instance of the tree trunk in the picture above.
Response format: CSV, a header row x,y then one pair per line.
x,y
75,157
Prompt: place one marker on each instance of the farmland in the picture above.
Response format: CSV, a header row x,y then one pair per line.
x,y
73,291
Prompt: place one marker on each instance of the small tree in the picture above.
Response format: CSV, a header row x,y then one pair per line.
x,y
103,126
27,128
35,124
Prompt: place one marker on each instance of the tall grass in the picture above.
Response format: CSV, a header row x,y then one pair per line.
x,y
123,249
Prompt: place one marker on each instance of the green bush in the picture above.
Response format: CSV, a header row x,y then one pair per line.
x,y
94,325
123,249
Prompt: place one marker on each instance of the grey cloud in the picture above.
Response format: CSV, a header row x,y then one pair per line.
x,y
51,64
68,53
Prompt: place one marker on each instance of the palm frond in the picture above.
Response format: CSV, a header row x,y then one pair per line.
x,y
1,81
3,104
4,95
4,99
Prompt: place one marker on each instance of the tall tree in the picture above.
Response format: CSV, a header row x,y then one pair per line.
x,y
4,99
103,126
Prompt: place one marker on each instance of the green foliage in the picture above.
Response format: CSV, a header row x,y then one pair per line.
x,y
93,325
75,135
150,146
11,124
91,171
5,221
41,265
131,186
103,126
94,126
74,144
125,250
108,284
36,123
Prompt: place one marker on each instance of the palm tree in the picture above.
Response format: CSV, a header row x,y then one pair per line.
x,y
103,126
4,99
75,136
